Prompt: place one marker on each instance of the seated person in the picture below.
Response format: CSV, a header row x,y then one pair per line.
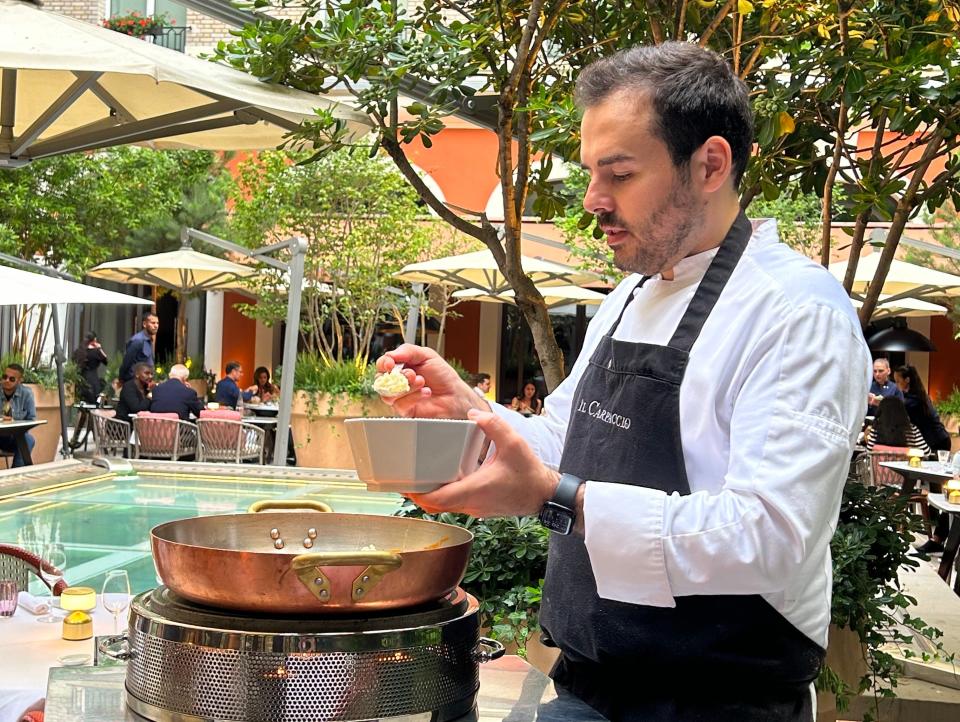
x,y
134,396
263,388
893,427
527,403
228,388
18,405
175,395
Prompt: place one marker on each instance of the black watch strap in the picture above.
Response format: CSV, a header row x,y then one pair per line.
x,y
566,493
560,513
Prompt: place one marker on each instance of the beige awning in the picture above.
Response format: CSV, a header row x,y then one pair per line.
x,y
904,280
26,288
554,296
184,270
479,270
75,86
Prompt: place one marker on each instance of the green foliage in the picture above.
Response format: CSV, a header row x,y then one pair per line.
x,y
44,376
507,566
317,374
870,544
136,24
461,371
950,406
111,374
798,218
78,210
362,224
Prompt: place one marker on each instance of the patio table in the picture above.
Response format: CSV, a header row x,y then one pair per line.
x,y
950,546
267,416
18,430
927,471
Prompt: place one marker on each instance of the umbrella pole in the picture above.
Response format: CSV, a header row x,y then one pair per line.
x,y
181,350
61,390
298,250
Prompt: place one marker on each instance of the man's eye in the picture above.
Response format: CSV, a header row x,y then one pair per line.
x,y
621,178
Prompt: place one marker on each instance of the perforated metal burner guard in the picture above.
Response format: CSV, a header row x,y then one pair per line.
x,y
192,664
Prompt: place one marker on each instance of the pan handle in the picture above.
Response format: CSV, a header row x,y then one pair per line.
x,y
266,504
108,647
488,650
307,568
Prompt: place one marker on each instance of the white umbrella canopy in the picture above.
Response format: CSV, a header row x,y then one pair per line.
x,y
184,270
68,86
903,307
904,280
24,288
479,270
554,296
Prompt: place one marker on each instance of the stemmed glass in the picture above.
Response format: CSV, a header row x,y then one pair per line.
x,y
51,571
116,595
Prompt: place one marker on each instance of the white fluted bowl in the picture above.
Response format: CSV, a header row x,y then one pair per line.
x,y
413,455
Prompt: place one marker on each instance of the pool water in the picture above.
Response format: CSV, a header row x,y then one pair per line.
x,y
104,522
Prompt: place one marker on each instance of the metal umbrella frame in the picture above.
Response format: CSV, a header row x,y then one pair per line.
x,y
554,296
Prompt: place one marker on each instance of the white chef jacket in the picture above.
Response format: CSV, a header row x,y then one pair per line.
x,y
770,408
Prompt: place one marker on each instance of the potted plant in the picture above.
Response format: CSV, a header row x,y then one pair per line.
x,y
949,409
136,25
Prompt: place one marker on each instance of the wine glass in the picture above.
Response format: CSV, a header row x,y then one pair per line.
x,y
51,571
116,594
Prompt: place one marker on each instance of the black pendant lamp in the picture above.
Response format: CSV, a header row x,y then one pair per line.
x,y
898,337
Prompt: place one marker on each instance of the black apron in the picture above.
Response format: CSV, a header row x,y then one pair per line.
x,y
730,657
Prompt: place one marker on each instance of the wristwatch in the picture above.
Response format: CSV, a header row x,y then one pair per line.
x,y
560,513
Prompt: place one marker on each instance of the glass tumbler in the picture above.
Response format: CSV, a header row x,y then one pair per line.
x,y
944,458
8,598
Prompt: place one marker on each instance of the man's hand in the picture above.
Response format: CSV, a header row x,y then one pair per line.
x,y
511,482
436,390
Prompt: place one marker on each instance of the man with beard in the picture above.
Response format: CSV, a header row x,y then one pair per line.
x,y
691,466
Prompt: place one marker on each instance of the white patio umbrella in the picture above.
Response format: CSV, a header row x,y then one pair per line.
x,y
904,280
554,296
479,270
903,307
68,86
183,271
24,288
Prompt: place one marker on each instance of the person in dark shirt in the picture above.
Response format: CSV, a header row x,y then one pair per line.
x,y
17,404
89,358
140,347
228,388
882,386
175,395
134,394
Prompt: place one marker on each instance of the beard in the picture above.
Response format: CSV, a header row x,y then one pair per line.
x,y
659,241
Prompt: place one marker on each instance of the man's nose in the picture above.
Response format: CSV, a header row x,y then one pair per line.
x,y
596,199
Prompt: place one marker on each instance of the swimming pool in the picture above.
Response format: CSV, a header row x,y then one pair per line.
x,y
104,519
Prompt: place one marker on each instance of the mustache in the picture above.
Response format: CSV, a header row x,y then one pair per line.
x,y
608,218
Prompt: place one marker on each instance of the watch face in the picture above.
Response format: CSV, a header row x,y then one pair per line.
x,y
556,518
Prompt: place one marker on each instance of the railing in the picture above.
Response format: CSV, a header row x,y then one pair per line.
x,y
172,37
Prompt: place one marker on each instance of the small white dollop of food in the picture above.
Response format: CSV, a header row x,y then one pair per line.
x,y
391,384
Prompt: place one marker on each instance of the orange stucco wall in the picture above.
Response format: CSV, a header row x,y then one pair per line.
x,y
945,361
866,138
463,336
239,337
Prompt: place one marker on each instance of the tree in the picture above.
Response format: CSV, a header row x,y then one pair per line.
x,y
362,224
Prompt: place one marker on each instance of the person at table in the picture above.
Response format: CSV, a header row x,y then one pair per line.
x,y
140,347
892,427
135,394
228,388
176,395
17,404
882,386
89,358
527,403
263,388
482,384
691,466
925,417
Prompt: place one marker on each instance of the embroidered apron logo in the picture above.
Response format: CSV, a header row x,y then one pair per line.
x,y
601,414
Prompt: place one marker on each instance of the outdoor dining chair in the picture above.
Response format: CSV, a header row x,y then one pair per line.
x,y
18,564
111,436
882,476
229,440
163,436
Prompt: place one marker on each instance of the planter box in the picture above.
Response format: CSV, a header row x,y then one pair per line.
x,y
48,435
318,431
847,657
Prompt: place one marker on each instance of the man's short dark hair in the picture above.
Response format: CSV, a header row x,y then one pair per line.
x,y
480,378
232,366
141,367
147,316
16,367
695,95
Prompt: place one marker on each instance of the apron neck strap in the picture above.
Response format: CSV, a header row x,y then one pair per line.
x,y
713,283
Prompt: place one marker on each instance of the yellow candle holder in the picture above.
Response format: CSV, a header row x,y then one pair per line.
x,y
78,625
952,490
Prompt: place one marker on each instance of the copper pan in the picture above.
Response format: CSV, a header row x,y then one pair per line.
x,y
304,563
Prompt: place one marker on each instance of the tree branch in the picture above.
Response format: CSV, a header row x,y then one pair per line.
x,y
715,23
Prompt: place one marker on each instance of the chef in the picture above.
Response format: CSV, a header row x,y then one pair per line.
x,y
691,466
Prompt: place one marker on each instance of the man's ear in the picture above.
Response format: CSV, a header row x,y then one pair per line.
x,y
714,163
